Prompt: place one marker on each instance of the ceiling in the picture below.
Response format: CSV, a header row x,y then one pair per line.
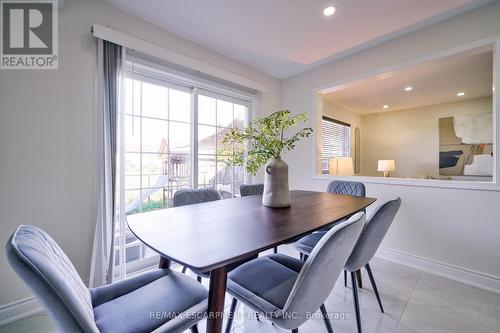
x,y
433,82
286,37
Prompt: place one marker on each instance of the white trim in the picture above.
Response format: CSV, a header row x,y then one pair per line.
x,y
179,78
436,183
226,96
163,53
496,115
469,277
324,88
20,309
466,185
194,138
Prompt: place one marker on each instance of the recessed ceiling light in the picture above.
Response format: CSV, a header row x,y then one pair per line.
x,y
329,11
460,94
386,106
409,88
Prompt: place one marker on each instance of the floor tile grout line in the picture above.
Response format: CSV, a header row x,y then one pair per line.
x,y
408,301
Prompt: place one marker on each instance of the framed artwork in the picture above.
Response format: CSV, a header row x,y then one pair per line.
x,y
465,145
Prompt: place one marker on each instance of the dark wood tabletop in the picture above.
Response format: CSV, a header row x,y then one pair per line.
x,y
213,234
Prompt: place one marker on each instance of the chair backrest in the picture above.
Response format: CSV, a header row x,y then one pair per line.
x,y
319,273
347,188
246,190
191,196
47,271
372,235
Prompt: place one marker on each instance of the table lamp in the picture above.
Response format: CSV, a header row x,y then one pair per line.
x,y
386,166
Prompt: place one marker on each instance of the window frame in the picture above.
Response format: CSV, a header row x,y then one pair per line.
x,y
348,136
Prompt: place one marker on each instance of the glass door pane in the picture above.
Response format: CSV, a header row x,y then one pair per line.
x,y
217,115
156,160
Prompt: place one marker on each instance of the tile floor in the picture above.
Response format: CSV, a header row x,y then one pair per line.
x,y
414,302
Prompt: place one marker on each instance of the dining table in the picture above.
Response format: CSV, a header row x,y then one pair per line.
x,y
214,236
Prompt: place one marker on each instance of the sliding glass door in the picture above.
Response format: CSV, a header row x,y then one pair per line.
x,y
170,138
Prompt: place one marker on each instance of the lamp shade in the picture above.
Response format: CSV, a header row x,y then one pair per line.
x,y
341,166
345,167
386,165
332,166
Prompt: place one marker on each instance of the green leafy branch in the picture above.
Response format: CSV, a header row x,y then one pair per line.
x,y
266,139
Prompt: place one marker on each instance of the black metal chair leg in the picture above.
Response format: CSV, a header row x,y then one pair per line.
x,y
328,324
356,300
275,250
194,329
345,278
234,302
184,268
374,285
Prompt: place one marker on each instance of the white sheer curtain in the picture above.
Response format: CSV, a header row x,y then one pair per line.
x,y
109,100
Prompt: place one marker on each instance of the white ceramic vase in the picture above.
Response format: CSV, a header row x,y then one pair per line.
x,y
276,193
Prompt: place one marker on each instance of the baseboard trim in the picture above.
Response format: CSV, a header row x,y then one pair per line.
x,y
459,274
20,309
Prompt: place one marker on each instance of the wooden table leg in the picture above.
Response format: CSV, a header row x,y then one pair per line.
x,y
216,295
164,262
359,278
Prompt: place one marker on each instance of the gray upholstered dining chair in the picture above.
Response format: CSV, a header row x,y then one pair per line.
x,y
251,189
304,245
371,237
254,189
186,197
125,306
286,289
346,187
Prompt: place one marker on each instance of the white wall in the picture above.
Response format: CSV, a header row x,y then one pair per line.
x,y
46,133
460,228
338,112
